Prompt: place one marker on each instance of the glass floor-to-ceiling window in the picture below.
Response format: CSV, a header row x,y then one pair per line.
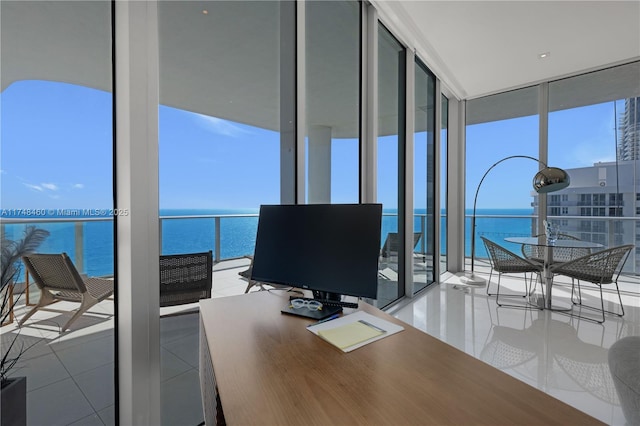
x,y
225,147
424,177
57,167
332,76
391,148
501,126
594,134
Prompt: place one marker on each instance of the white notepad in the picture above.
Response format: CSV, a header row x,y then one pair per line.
x,y
354,330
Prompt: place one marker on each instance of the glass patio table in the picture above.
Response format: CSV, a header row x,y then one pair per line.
x,y
548,258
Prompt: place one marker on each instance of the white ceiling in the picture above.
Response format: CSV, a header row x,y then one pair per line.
x,y
223,64
483,47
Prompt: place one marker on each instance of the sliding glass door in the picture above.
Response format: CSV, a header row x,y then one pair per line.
x,y
423,256
391,165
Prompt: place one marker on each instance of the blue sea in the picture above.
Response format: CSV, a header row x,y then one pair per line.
x,y
181,233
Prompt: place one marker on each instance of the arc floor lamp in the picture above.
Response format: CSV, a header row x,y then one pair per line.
x,y
548,179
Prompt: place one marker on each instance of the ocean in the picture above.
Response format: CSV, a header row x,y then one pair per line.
x,y
182,234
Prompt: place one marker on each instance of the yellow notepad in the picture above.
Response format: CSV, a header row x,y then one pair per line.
x,y
349,334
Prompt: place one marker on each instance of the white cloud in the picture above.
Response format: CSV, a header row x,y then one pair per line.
x,y
34,187
78,186
42,187
223,127
50,186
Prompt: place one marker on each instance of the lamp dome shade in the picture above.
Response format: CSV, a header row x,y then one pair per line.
x,y
550,179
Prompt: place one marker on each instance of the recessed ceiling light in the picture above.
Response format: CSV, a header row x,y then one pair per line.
x,y
544,55
205,12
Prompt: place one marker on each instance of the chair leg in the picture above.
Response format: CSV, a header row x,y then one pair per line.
x,y
87,302
489,282
579,293
526,294
532,288
602,309
620,299
601,303
544,297
621,314
46,298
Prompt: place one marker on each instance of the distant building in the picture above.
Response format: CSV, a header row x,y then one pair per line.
x,y
605,191
599,194
629,130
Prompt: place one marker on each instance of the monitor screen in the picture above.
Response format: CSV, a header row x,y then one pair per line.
x,y
330,248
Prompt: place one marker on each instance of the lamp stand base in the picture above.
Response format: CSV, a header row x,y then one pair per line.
x,y
471,279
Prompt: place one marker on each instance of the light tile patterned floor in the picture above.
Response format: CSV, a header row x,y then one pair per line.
x,y
70,376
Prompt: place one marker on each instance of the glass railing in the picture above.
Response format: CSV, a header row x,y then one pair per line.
x,y
608,231
89,241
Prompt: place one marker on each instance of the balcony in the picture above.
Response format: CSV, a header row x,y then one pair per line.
x,y
74,371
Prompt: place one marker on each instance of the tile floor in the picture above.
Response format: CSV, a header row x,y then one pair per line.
x,y
561,355
70,377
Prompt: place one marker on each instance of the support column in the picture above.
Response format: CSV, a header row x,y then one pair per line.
x,y
136,175
319,164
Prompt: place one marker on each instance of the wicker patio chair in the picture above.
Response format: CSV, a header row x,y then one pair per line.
x,y
185,278
58,279
598,268
560,254
504,261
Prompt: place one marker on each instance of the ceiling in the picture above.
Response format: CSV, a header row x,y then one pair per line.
x,y
225,63
483,47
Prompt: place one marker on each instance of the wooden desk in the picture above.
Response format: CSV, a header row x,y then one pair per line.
x,y
271,370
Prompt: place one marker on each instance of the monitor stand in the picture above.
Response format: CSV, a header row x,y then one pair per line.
x,y
327,295
325,312
333,299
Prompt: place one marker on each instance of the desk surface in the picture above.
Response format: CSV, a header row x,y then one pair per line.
x,y
271,370
542,241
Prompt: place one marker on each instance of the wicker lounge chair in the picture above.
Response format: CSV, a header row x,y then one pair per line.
x,y
598,268
185,278
58,279
390,246
246,274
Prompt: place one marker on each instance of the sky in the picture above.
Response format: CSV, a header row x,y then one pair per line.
x,y
578,137
56,141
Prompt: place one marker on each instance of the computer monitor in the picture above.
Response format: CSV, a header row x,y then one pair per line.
x,y
327,248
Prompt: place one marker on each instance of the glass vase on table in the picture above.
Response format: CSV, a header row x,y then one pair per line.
x,y
551,231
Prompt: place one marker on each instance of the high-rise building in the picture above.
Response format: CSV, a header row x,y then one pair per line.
x,y
598,204
629,127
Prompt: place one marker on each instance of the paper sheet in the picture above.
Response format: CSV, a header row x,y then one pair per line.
x,y
349,333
